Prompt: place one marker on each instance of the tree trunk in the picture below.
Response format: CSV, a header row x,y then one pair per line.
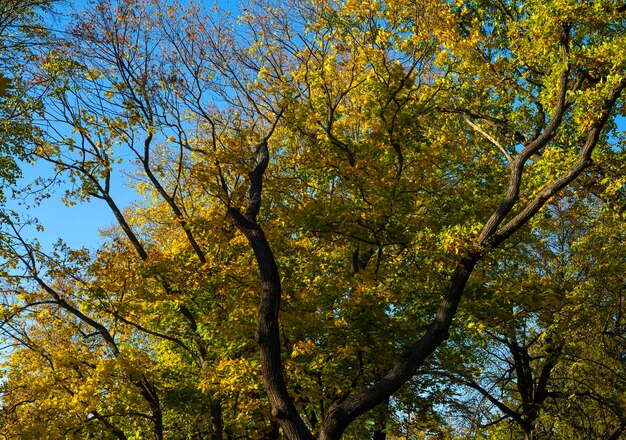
x,y
217,424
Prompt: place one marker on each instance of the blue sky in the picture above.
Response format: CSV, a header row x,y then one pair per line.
x,y
77,225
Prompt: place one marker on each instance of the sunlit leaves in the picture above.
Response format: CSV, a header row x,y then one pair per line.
x,y
395,130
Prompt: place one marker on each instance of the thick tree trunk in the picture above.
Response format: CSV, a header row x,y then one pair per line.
x,y
268,335
217,424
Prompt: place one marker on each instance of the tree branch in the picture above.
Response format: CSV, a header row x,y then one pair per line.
x,y
268,335
489,138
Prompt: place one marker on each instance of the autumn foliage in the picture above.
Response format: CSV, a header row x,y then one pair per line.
x,y
357,219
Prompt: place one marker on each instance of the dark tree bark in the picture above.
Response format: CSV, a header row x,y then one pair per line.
x,y
495,231
268,335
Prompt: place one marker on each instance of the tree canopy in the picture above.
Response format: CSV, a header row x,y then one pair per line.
x,y
354,219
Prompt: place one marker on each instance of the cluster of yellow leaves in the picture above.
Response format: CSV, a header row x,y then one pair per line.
x,y
377,185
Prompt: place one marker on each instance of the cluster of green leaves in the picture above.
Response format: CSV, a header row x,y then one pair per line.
x,y
19,23
393,129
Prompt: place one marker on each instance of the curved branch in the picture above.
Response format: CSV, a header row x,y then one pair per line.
x,y
343,414
584,161
517,167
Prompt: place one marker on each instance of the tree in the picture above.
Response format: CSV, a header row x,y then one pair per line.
x,y
526,360
513,212
19,20
375,159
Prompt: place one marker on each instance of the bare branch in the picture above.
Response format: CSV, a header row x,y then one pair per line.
x,y
489,138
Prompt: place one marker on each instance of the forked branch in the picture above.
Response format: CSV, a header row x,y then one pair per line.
x,y
268,336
